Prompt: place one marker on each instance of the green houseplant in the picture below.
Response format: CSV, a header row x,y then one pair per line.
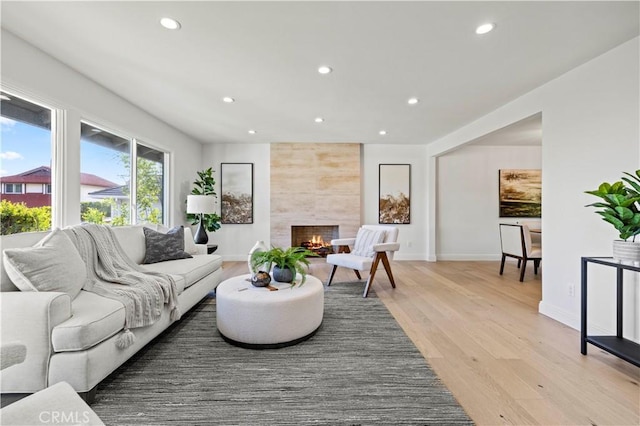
x,y
619,207
205,185
287,262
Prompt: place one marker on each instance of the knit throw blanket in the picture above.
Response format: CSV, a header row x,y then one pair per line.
x,y
111,273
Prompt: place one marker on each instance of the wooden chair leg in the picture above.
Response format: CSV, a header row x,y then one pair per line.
x,y
372,273
502,264
519,263
524,267
357,274
536,265
333,271
387,267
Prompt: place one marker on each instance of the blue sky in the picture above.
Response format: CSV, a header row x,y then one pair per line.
x,y
24,147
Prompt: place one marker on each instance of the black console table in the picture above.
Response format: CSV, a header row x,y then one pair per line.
x,y
617,345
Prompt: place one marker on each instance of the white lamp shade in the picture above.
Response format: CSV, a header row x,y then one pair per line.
x,y
201,204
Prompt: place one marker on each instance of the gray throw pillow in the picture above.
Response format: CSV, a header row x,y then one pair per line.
x,y
161,247
53,264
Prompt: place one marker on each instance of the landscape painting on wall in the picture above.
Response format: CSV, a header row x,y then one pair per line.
x,y
394,194
236,187
520,192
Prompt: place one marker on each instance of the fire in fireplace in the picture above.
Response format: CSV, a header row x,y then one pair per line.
x,y
314,238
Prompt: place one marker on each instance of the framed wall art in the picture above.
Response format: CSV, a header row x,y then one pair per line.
x,y
520,192
236,188
394,194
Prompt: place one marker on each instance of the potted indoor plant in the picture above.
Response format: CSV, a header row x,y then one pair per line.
x,y
205,185
619,207
287,263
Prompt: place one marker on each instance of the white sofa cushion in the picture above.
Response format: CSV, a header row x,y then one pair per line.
x,y
53,264
191,270
94,319
132,240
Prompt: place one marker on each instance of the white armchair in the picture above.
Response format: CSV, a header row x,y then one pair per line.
x,y
373,244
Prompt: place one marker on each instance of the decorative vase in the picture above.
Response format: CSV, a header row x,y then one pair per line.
x,y
259,246
626,251
285,275
261,279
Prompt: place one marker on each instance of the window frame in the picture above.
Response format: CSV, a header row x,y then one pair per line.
x,y
13,186
133,176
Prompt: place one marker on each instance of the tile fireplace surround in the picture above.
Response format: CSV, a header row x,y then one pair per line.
x,y
314,184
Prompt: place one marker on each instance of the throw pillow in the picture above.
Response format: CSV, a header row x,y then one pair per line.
x,y
161,247
53,264
189,245
365,240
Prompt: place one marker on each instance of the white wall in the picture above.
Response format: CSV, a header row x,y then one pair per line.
x,y
413,243
467,198
590,122
31,73
235,241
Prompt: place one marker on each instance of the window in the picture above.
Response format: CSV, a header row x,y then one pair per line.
x,y
105,176
25,166
149,184
47,188
13,188
107,193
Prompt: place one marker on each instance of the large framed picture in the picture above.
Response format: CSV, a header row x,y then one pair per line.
x,y
236,188
394,193
520,192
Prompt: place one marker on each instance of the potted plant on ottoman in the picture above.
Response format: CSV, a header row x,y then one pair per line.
x,y
620,208
286,262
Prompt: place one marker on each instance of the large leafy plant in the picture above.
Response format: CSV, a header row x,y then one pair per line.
x,y
620,204
205,185
293,258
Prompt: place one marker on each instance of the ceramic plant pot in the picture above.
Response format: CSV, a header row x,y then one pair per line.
x,y
283,275
626,251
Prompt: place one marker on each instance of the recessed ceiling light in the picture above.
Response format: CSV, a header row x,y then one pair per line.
x,y
252,132
228,100
413,101
324,69
170,23
485,28
319,120
382,132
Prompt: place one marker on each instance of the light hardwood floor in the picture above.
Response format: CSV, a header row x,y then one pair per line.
x,y
503,361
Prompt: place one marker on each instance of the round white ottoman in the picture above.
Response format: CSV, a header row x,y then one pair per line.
x,y
258,318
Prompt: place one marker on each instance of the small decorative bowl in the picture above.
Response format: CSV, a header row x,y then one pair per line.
x,y
261,279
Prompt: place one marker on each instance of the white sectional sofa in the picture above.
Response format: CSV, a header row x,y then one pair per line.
x,y
73,340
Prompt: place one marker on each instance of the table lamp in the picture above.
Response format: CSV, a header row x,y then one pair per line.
x,y
201,205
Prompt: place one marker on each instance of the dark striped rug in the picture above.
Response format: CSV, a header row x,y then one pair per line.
x,y
359,369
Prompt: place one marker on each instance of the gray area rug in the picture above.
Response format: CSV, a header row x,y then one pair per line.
x,y
359,369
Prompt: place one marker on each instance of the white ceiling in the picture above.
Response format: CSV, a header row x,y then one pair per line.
x,y
266,55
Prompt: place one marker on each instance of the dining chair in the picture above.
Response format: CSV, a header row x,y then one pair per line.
x,y
515,240
373,244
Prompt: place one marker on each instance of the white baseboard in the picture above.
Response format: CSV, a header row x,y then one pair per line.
x,y
470,257
571,319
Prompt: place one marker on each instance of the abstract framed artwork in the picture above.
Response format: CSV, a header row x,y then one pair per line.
x,y
236,187
394,194
520,192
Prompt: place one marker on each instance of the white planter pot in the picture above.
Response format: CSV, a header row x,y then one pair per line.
x,y
626,251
